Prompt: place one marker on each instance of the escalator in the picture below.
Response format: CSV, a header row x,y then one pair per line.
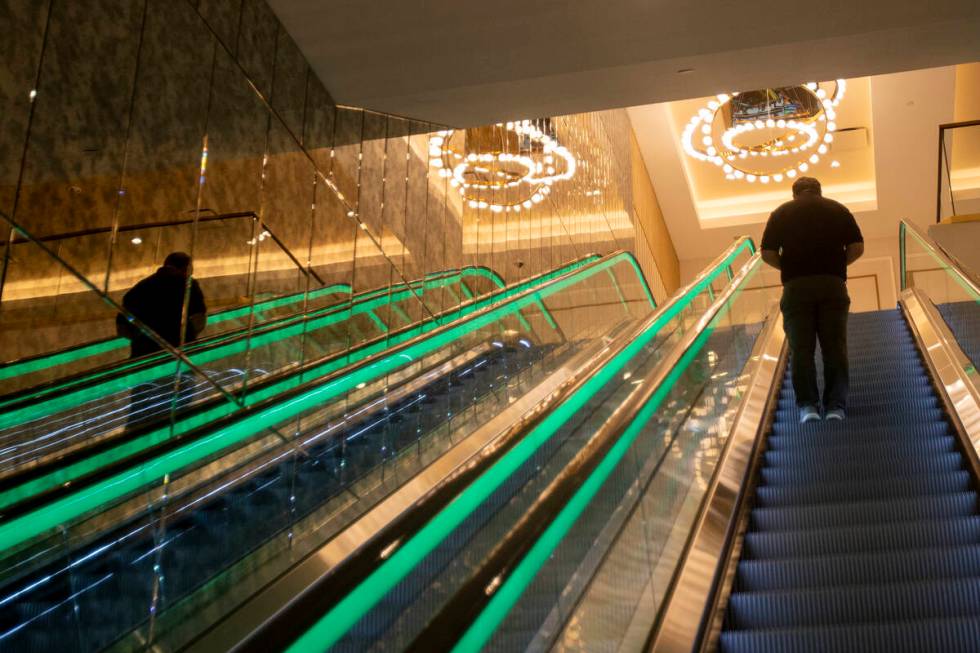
x,y
152,544
859,535
641,485
69,441
863,535
413,580
78,411
671,501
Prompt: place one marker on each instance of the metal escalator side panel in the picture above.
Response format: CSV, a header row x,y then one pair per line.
x,y
953,374
691,614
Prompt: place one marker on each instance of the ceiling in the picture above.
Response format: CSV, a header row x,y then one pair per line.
x,y
719,201
471,63
892,177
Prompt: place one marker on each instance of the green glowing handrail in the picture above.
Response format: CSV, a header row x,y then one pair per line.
x,y
87,499
513,588
35,364
209,351
349,610
97,348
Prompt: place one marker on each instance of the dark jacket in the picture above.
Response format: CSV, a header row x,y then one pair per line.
x,y
157,301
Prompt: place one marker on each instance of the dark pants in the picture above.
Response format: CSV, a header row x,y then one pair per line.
x,y
815,307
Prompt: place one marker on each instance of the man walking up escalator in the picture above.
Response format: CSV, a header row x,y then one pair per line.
x,y
811,240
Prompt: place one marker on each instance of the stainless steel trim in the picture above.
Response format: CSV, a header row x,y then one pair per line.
x,y
694,599
954,375
481,444
924,239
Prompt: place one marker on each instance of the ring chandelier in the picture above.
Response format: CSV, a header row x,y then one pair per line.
x,y
498,179
741,148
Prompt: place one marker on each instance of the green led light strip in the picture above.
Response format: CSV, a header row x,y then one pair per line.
x,y
349,610
62,398
112,344
27,526
503,601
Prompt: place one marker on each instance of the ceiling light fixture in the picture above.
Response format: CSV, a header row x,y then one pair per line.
x,y
766,135
504,167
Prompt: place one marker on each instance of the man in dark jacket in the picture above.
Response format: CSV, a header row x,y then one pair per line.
x,y
812,240
158,302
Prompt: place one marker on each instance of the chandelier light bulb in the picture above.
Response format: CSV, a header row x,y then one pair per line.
x,y
815,127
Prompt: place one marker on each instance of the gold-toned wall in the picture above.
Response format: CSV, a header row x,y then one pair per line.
x,y
120,113
653,242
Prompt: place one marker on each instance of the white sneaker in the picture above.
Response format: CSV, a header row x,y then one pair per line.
x,y
809,414
835,415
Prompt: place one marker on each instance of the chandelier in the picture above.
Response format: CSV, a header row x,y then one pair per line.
x,y
507,167
766,135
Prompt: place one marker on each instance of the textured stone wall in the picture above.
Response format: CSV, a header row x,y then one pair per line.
x,y
125,112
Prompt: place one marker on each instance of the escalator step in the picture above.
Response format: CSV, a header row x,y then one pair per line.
x,y
859,568
929,599
923,636
820,472
886,374
882,401
960,504
859,452
878,392
864,489
956,531
801,440
789,424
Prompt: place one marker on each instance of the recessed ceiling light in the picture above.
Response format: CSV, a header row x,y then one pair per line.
x,y
835,163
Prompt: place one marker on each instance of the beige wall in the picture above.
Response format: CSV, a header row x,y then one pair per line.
x,y
653,243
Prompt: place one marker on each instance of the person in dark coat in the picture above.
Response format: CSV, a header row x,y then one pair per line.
x,y
158,302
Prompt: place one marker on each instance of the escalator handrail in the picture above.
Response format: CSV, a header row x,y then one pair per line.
x,y
967,276
211,439
354,570
25,478
12,368
99,375
469,618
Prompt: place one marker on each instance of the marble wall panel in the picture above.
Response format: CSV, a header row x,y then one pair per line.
x,y
290,85
74,159
165,140
412,225
256,44
130,106
20,50
224,18
238,125
287,214
371,268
